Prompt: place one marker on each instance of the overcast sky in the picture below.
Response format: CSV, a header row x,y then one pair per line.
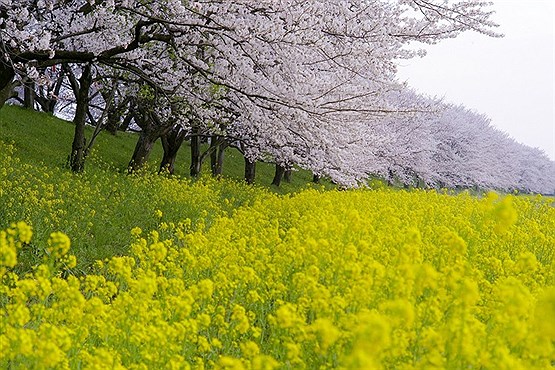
x,y
509,79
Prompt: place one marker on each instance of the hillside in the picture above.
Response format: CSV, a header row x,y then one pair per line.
x,y
98,207
144,271
43,138
107,264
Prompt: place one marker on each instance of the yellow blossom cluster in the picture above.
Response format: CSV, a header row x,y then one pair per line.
x,y
337,279
97,208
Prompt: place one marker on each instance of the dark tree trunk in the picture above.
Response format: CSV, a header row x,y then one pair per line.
x,y
280,170
114,111
390,178
214,142
287,175
126,122
152,128
112,121
195,153
77,157
217,150
7,75
316,178
142,150
57,88
171,143
51,106
28,93
220,160
250,171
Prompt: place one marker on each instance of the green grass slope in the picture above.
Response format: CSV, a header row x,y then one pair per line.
x,y
221,275
99,207
165,272
43,138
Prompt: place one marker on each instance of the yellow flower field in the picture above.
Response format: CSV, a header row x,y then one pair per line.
x,y
320,279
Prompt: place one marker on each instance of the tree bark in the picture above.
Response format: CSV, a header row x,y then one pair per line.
x,y
77,157
112,122
250,171
195,153
220,160
142,150
287,175
48,99
7,75
171,143
217,147
278,176
214,141
113,115
56,92
114,110
28,93
126,122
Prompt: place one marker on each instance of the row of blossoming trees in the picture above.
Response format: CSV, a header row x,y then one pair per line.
x,y
309,84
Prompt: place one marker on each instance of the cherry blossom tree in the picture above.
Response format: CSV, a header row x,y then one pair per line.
x,y
308,84
459,148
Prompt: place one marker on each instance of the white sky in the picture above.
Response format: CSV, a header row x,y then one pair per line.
x,y
509,79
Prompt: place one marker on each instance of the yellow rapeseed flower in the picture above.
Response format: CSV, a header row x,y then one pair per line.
x,y
58,244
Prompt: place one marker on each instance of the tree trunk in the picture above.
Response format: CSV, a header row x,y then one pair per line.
x,y
195,153
77,157
250,171
287,175
56,92
112,122
316,178
7,75
280,170
28,93
48,98
390,178
126,122
217,147
171,143
214,141
113,110
142,150
220,160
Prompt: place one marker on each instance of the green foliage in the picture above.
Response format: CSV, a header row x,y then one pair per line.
x,y
146,93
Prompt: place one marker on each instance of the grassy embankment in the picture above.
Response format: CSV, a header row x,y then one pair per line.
x,y
218,274
99,207
44,138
